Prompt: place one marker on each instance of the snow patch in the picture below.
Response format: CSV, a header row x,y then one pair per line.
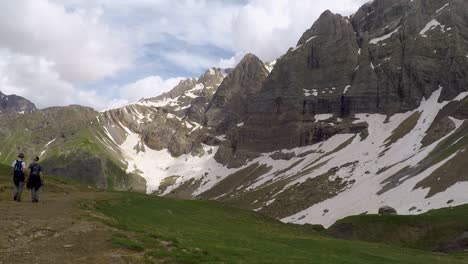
x,y
311,92
270,66
372,155
309,39
45,147
377,40
346,89
156,165
322,117
430,26
442,8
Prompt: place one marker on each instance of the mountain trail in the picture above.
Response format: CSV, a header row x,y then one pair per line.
x,y
58,229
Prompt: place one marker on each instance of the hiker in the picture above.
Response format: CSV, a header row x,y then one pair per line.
x,y
34,180
19,168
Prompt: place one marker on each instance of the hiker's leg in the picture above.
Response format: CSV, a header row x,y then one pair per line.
x,y
15,190
36,194
33,194
20,191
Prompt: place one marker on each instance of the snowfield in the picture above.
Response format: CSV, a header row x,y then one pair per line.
x,y
373,161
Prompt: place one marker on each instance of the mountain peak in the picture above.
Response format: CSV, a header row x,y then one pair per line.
x,y
328,23
249,56
249,59
229,103
15,104
326,13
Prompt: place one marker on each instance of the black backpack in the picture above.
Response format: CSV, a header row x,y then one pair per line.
x,y
35,169
18,174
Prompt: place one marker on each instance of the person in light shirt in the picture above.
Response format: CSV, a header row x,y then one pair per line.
x,y
19,172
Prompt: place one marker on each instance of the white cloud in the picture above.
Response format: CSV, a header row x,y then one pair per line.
x,y
266,28
231,62
145,88
36,79
190,61
81,48
269,28
50,49
47,52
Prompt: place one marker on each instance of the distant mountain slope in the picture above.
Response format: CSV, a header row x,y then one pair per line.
x,y
70,142
15,104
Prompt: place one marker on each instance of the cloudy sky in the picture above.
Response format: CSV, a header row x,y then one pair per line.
x,y
105,53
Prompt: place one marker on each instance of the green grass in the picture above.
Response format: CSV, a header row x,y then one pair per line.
x,y
123,241
4,170
425,231
179,231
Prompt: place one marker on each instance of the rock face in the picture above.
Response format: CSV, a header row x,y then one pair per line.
x,y
380,60
387,210
15,104
229,105
171,121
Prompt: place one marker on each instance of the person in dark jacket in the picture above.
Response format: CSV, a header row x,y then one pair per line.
x,y
19,169
34,181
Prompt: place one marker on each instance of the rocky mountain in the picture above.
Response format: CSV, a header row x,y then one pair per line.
x,y
228,106
15,104
366,111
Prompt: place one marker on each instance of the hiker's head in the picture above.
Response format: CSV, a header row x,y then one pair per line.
x,y
21,156
36,159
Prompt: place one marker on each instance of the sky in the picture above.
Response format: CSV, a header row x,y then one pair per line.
x,y
108,53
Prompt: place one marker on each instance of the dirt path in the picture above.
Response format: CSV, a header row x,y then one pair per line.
x,y
56,230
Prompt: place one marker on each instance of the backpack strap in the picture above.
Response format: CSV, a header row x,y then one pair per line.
x,y
18,165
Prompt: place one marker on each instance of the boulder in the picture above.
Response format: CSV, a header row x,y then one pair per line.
x,y
387,210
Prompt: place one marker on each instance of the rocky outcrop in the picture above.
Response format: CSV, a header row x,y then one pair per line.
x,y
387,210
15,104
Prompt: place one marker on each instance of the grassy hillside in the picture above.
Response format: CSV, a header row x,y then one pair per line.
x,y
425,231
178,231
71,143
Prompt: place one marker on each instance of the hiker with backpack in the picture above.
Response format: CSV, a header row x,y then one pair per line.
x,y
19,169
34,180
